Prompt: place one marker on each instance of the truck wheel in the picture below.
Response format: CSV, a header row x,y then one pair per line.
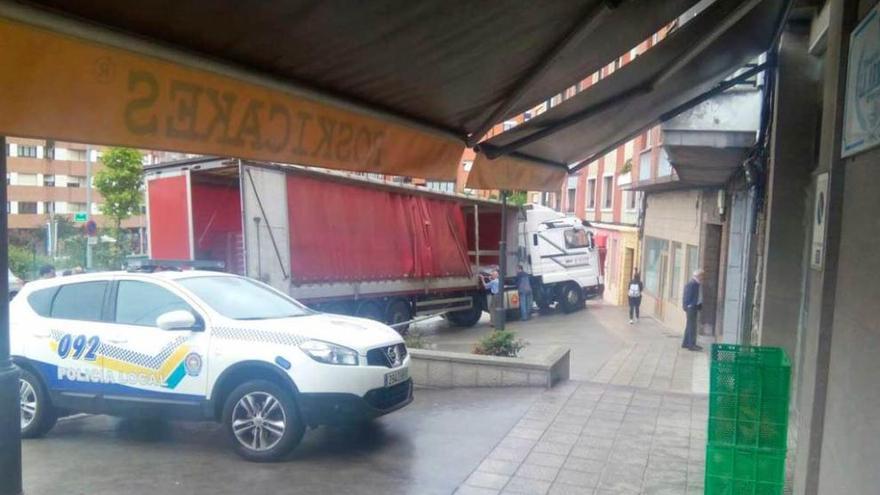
x,y
467,318
38,416
399,311
571,298
370,310
262,420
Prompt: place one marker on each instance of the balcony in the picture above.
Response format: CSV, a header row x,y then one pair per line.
x,y
706,144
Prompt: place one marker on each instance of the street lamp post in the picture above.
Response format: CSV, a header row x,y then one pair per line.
x,y
500,312
10,423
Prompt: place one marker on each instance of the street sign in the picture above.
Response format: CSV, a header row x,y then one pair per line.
x,y
80,217
93,241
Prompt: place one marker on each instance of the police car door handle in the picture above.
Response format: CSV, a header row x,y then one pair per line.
x,y
42,335
117,341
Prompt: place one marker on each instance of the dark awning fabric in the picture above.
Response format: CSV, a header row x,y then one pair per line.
x,y
452,66
688,63
444,63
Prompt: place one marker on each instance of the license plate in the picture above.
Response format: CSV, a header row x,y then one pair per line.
x,y
396,377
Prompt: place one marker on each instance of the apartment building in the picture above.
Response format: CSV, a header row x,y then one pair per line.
x,y
48,178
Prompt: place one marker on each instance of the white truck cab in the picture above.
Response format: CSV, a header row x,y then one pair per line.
x,y
200,345
559,252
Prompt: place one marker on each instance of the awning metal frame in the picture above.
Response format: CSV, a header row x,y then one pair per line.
x,y
587,23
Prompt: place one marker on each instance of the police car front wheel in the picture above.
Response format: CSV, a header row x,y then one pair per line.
x,y
262,421
38,416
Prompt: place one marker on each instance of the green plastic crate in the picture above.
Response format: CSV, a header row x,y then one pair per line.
x,y
744,471
748,396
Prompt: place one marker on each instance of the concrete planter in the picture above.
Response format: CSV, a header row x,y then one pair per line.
x,y
452,369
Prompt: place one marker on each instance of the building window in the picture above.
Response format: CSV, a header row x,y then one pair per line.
x,y
27,207
76,181
49,181
591,194
631,200
571,195
509,124
443,186
468,165
27,151
48,207
26,180
675,278
607,191
654,251
76,155
693,260
76,207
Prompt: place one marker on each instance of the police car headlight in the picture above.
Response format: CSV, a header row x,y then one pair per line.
x,y
325,352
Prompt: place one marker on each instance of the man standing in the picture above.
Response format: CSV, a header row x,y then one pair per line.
x,y
692,305
524,289
492,286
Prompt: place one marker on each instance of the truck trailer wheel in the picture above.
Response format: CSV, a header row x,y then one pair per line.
x,y
467,317
371,310
571,298
399,311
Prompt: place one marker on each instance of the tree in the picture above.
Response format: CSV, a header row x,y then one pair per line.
x,y
120,183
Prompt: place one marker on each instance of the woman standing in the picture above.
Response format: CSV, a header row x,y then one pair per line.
x,y
635,296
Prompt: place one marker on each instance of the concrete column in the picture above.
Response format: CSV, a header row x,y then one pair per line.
x,y
822,284
792,159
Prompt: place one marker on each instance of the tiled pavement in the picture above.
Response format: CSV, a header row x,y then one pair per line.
x,y
600,438
658,365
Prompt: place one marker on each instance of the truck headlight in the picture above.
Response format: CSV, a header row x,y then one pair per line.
x,y
325,352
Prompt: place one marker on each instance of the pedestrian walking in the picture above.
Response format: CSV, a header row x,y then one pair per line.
x,y
692,305
524,289
635,296
491,286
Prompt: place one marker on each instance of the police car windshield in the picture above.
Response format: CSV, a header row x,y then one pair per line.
x,y
242,299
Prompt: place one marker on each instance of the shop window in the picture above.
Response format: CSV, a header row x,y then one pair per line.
x,y
654,250
675,287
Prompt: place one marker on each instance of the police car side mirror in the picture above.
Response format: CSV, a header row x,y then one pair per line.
x,y
176,320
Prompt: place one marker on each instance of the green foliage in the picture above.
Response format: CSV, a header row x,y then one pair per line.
x,y
23,262
415,340
627,166
518,198
500,343
120,183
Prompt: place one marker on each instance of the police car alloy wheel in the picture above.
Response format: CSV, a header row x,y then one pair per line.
x,y
262,421
37,414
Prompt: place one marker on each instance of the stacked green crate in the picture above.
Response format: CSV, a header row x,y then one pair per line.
x,y
748,420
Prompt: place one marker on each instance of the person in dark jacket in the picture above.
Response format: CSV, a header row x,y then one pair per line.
x,y
634,292
524,290
691,304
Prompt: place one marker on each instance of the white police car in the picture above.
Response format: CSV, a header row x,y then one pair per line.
x,y
200,345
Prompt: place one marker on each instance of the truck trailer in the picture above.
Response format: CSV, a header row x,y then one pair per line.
x,y
352,244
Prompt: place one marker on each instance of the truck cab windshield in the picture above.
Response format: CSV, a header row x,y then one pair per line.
x,y
242,299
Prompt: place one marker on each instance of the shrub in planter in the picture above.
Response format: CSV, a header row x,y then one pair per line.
x,y
500,343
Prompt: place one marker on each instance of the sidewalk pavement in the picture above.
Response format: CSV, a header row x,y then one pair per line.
x,y
593,438
633,421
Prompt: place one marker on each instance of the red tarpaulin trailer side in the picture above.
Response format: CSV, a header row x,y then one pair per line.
x,y
169,222
216,211
342,232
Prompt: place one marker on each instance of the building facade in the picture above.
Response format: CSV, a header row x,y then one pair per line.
x,y
48,179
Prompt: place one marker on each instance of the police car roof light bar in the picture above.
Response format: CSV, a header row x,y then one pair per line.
x,y
151,265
